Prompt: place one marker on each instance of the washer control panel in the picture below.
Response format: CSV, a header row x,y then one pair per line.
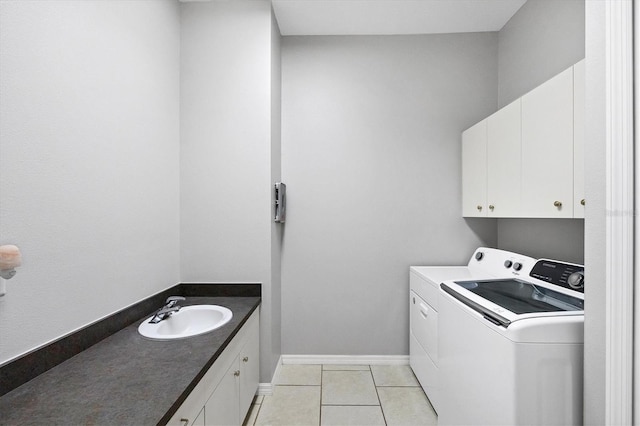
x,y
500,262
563,274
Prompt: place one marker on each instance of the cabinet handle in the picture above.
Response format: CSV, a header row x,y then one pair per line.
x,y
582,202
491,207
184,422
236,373
245,359
479,208
558,204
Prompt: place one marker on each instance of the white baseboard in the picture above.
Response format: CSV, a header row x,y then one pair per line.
x,y
267,388
347,359
264,389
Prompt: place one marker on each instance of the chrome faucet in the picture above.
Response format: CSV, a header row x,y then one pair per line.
x,y
171,306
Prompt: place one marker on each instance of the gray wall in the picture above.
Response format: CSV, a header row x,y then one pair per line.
x,y
89,149
543,38
229,139
595,218
371,157
277,230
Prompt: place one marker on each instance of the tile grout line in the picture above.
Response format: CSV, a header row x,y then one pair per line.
x,y
300,385
321,381
384,418
351,405
257,414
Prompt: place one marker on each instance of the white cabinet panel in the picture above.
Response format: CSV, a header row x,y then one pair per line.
x,y
547,148
222,408
474,171
504,161
199,420
578,138
249,370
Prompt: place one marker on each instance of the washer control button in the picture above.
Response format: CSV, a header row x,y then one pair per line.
x,y
479,256
517,266
508,263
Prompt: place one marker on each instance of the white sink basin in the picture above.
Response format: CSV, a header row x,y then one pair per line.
x,y
187,322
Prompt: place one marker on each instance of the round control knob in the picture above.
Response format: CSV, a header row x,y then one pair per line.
x,y
576,280
479,207
517,266
479,256
508,263
491,207
557,204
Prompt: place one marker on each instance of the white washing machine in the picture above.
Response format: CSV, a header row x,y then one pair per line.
x,y
423,303
511,350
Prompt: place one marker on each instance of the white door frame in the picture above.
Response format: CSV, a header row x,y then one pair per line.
x,y
636,285
620,215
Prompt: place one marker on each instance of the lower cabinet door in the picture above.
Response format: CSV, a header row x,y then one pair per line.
x,y
249,369
199,420
222,408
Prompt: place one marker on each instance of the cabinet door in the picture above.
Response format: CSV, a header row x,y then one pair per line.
x,y
578,139
504,161
249,369
547,148
199,420
222,408
474,171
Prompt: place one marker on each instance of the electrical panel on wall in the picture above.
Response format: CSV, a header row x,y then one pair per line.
x,y
281,204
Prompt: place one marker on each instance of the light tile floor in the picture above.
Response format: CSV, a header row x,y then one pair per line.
x,y
307,395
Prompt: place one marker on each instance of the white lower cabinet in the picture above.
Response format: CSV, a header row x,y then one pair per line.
x,y
224,395
199,420
249,367
223,407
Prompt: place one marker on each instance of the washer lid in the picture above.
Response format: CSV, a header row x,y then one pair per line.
x,y
503,301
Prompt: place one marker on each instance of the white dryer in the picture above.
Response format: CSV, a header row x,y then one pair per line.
x,y
511,350
424,306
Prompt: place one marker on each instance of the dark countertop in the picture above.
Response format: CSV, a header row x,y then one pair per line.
x,y
124,379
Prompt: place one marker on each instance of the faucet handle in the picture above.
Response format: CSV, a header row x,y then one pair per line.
x,y
173,300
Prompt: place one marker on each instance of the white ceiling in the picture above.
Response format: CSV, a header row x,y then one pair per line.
x,y
368,17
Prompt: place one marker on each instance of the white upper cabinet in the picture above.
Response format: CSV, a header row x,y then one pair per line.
x,y
504,161
578,139
547,148
534,154
474,171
